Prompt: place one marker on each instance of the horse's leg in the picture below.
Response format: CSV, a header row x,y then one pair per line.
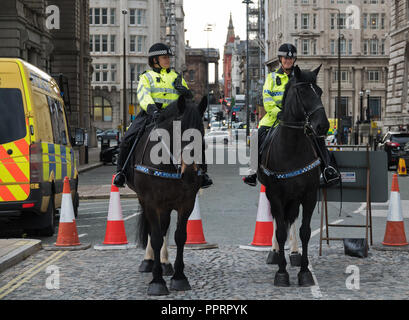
x,y
147,263
295,257
179,281
158,285
272,257
305,277
281,279
164,256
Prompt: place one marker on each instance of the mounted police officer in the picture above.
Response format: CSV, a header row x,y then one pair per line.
x,y
273,92
157,88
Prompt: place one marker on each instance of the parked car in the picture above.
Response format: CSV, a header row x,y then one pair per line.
x,y
108,134
393,144
237,125
217,136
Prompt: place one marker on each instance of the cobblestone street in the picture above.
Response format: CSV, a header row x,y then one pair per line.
x,y
226,273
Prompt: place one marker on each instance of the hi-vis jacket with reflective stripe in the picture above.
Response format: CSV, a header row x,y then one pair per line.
x,y
273,92
158,87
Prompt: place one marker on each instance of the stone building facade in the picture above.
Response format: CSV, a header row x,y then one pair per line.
x,y
59,46
197,66
145,23
312,25
397,108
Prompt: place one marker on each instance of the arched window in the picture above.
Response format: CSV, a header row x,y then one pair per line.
x,y
102,109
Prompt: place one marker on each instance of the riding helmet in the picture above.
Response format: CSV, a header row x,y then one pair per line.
x,y
287,50
158,49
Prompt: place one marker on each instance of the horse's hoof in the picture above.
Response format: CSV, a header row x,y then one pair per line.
x,y
157,289
272,257
146,266
167,269
180,285
282,279
305,279
295,259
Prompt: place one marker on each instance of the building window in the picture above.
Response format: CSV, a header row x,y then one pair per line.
x,y
91,20
344,76
113,38
102,109
91,43
305,21
97,39
375,109
295,20
191,75
97,16
374,76
374,21
374,46
305,46
343,110
112,16
350,47
332,46
113,72
132,44
104,43
137,17
104,15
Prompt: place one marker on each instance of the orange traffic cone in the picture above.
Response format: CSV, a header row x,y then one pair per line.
x,y
115,230
264,225
67,229
395,229
194,226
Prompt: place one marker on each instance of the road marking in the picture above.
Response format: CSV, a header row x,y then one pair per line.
x,y
315,289
82,235
132,215
315,232
27,275
363,205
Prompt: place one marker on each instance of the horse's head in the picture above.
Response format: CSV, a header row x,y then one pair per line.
x,y
302,102
183,123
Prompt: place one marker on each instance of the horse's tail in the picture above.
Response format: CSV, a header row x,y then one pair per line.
x,y
142,230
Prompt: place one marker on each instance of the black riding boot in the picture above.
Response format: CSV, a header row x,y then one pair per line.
x,y
330,173
206,181
251,179
120,179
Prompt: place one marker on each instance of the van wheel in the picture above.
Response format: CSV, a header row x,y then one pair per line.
x,y
50,216
76,203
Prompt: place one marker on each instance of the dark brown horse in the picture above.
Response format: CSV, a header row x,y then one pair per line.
x,y
289,166
166,186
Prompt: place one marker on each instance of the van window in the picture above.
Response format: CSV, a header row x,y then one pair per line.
x,y
12,118
57,120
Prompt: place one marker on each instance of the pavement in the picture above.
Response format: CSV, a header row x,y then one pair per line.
x,y
13,251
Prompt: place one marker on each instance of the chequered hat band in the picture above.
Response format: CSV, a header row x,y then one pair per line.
x,y
287,54
158,53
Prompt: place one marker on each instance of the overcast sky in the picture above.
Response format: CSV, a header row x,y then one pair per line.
x,y
198,13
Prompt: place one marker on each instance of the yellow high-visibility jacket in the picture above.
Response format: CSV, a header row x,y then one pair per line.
x,y
158,88
273,92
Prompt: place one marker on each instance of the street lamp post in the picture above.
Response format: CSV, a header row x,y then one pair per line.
x,y
208,28
361,106
247,2
124,12
368,111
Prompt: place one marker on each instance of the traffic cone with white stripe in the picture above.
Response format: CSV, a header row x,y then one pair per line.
x,y
115,230
264,225
67,229
194,227
395,229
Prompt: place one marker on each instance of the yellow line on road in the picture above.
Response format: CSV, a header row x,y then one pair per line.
x,y
27,275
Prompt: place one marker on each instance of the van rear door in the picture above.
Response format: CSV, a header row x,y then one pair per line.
x,y
14,136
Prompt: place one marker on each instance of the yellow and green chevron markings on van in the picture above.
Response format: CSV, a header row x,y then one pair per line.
x,y
58,159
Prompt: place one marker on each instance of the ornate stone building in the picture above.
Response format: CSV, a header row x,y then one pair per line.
x,y
54,36
312,25
227,56
397,107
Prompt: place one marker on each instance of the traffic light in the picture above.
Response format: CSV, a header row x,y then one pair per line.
x,y
233,116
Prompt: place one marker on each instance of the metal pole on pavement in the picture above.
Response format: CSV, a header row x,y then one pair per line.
x,y
247,2
124,12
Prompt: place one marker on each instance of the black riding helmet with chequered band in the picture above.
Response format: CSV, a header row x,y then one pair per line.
x,y
158,49
287,50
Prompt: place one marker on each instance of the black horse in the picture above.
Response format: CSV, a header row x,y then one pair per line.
x,y
289,166
166,186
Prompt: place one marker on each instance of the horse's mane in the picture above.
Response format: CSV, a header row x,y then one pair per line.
x,y
190,117
305,76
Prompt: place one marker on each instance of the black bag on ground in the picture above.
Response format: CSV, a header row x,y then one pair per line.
x,y
356,247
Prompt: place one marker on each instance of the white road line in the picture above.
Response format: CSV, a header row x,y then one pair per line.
x,y
363,205
132,215
315,290
82,235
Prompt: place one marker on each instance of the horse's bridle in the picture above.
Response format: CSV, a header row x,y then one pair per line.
x,y
304,125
